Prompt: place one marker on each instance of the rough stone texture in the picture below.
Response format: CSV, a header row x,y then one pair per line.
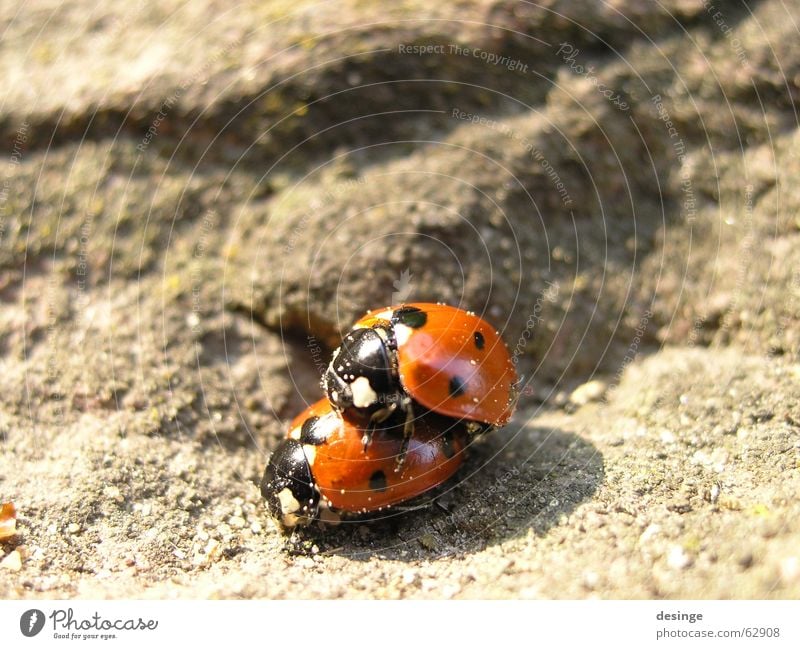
x,y
192,210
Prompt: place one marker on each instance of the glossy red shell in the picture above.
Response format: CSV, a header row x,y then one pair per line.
x,y
453,349
352,479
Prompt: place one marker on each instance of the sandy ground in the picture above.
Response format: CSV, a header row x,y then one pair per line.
x,y
193,209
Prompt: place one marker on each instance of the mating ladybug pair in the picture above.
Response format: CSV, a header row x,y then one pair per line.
x,y
406,392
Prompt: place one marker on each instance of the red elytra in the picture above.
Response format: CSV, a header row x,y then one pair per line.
x,y
352,478
450,360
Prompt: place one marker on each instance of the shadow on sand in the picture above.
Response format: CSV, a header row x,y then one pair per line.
x,y
519,479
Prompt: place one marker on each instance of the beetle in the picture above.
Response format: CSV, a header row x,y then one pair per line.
x,y
445,359
322,469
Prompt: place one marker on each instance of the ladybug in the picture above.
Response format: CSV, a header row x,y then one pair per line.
x,y
446,359
321,468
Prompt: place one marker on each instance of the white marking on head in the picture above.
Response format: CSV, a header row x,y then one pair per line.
x,y
289,504
402,333
310,453
363,394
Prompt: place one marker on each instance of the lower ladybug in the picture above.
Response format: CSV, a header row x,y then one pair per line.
x,y
443,358
322,467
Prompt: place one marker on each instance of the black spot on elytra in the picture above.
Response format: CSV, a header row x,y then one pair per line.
x,y
479,340
310,433
457,386
377,481
410,316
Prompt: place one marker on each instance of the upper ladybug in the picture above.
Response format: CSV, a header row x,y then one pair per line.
x,y
447,360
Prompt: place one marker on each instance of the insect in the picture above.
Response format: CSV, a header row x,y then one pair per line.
x,y
446,359
321,468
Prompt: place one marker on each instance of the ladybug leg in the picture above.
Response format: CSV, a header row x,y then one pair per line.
x,y
410,508
408,431
401,456
477,429
377,418
366,438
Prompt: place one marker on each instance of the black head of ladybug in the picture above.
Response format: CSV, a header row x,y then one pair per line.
x,y
288,486
360,381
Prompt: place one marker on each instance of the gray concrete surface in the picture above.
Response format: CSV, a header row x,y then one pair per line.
x,y
197,201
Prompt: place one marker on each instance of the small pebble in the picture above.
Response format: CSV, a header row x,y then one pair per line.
x,y
12,562
8,528
73,528
726,501
211,552
678,559
237,522
113,493
652,530
790,570
429,585
588,392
